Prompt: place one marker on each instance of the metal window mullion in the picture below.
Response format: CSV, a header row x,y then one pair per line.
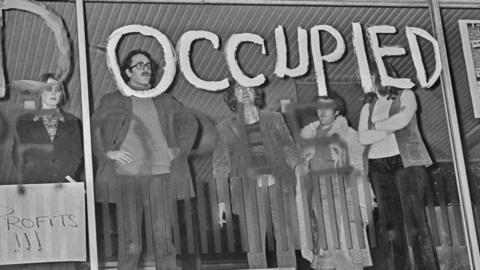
x,y
455,140
87,142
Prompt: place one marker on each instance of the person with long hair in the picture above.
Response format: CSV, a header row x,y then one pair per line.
x,y
256,154
47,147
397,157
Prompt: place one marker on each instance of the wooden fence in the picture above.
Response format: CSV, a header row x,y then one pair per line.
x,y
198,229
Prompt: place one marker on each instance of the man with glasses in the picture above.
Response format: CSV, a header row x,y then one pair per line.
x,y
142,145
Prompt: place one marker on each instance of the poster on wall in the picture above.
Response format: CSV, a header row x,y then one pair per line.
x,y
470,33
42,223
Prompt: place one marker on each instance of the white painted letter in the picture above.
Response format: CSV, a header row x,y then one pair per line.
x,y
412,33
55,23
317,54
379,52
362,61
231,52
183,50
281,68
168,50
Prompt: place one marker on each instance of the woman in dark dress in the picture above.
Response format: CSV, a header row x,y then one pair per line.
x,y
47,148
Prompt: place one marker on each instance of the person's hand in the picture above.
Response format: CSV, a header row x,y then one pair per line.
x,y
173,152
121,156
309,131
339,126
221,214
388,132
336,152
301,170
308,153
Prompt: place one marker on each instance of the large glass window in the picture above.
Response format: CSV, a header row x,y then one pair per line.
x,y
186,178
198,216
41,145
464,61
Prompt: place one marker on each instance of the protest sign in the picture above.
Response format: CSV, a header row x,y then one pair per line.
x,y
42,223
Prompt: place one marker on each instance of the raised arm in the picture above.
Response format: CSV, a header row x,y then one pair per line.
x,y
408,108
368,136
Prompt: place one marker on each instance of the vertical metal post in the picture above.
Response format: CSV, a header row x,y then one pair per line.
x,y
455,140
87,143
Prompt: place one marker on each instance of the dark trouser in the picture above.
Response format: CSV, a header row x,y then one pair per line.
x,y
400,197
147,197
269,215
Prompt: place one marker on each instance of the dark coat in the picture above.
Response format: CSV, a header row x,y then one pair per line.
x,y
110,124
41,161
231,155
231,162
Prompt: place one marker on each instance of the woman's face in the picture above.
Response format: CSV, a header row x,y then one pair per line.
x,y
244,95
51,96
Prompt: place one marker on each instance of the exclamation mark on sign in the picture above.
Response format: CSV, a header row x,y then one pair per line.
x,y
18,243
28,242
38,240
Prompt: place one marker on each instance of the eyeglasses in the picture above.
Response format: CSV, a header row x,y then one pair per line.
x,y
243,89
53,88
142,66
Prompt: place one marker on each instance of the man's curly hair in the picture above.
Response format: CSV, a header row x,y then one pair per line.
x,y
231,100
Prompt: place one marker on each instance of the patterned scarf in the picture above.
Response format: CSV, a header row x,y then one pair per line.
x,y
50,120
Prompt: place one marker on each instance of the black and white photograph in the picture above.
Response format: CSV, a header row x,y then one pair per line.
x,y
234,135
